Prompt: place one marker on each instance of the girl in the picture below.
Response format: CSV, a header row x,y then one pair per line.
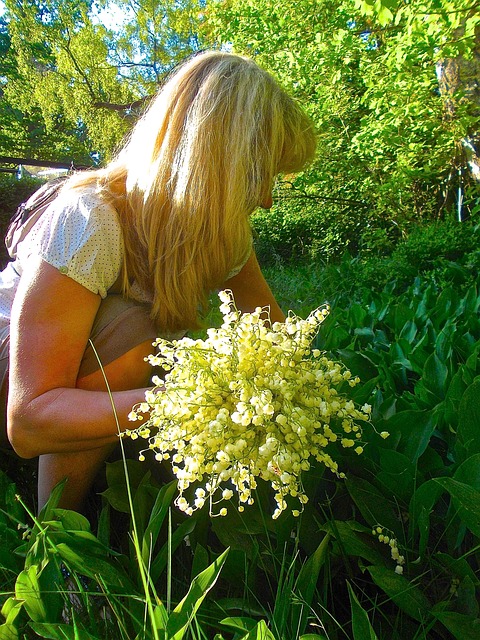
x,y
131,251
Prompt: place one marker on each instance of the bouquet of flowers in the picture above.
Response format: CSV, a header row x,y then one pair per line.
x,y
252,400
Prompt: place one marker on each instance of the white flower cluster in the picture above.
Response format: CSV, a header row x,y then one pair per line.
x,y
384,536
250,401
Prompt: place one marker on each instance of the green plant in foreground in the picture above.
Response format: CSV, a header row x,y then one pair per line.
x,y
324,574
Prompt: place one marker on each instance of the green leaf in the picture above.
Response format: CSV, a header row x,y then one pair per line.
x,y
384,16
420,508
466,500
460,626
55,631
157,518
397,473
96,567
259,632
371,502
434,376
11,609
469,419
239,623
27,588
406,595
308,576
178,536
453,397
414,429
116,494
184,612
306,583
354,540
71,520
361,627
160,615
458,567
469,471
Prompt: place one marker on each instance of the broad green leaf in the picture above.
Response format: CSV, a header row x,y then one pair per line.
x,y
461,627
466,595
403,315
8,632
160,615
354,540
71,520
453,397
116,494
372,504
469,471
259,632
414,428
406,595
466,500
48,510
95,567
55,631
434,376
27,588
458,567
11,609
239,623
469,419
200,560
420,508
307,581
178,536
361,627
49,580
184,612
157,518
397,474
359,364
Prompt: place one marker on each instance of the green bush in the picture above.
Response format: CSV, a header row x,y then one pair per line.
x,y
301,229
444,252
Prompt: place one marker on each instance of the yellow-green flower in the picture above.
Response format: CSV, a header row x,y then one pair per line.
x,y
250,401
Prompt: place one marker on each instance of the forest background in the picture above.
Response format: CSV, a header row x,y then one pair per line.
x,y
384,225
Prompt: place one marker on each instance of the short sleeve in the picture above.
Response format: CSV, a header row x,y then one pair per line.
x,y
80,235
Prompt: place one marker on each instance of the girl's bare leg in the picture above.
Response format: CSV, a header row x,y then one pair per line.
x,y
80,468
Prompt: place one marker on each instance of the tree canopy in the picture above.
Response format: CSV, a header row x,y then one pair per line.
x,y
391,85
83,79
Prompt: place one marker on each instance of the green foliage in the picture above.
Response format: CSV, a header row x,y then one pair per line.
x,y
296,229
77,81
389,134
329,574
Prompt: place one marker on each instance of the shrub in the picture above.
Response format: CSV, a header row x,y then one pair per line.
x,y
297,228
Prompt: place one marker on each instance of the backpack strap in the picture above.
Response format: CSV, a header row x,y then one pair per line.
x,y
28,213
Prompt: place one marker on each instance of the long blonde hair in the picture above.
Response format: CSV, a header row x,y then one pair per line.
x,y
193,169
